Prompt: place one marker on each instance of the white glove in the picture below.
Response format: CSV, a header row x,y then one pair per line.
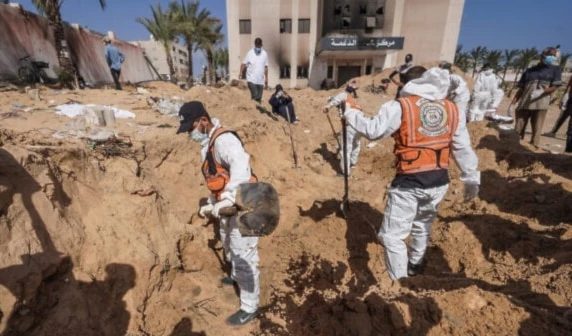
x,y
471,191
225,203
536,94
279,94
205,210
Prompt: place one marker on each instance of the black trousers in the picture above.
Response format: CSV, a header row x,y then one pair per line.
x,y
115,74
561,119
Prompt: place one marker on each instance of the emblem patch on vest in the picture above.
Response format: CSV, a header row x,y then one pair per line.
x,y
433,117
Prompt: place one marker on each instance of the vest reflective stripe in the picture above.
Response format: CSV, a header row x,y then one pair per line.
x,y
217,176
423,140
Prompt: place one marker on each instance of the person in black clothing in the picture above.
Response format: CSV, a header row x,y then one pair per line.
x,y
401,71
282,104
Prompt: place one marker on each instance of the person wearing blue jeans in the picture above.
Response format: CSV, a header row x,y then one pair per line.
x,y
282,104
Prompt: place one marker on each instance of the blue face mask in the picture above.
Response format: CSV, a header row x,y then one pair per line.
x,y
549,59
257,51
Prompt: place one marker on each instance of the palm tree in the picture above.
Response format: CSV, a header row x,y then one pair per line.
x,y
52,10
458,53
463,61
563,60
221,60
210,37
163,29
508,59
189,20
493,58
477,55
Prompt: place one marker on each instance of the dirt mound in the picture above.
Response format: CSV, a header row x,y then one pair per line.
x,y
103,238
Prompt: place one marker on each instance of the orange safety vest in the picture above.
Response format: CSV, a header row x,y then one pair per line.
x,y
423,141
352,103
215,174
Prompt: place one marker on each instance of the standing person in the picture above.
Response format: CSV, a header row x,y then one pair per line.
x,y
487,94
427,129
225,167
115,59
533,96
401,71
353,142
281,103
568,148
256,66
458,91
564,112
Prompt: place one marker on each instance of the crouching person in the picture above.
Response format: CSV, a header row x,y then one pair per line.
x,y
225,167
427,129
281,103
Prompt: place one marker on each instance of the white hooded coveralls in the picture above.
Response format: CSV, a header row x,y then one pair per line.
x,y
411,211
487,95
353,143
460,92
242,252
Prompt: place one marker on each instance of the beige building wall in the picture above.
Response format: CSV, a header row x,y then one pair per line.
x,y
158,57
430,29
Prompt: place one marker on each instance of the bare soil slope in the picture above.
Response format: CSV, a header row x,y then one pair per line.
x,y
104,240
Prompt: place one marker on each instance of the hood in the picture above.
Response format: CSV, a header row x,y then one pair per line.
x,y
433,85
278,87
488,72
216,124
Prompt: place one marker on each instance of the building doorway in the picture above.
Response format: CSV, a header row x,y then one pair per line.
x,y
346,73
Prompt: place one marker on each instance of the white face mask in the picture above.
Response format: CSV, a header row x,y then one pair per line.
x,y
198,136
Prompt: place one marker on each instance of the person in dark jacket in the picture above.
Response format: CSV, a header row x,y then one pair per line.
x,y
282,104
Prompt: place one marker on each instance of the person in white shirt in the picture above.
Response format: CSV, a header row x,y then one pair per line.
x,y
428,129
255,64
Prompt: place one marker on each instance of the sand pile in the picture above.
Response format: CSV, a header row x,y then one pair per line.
x,y
103,238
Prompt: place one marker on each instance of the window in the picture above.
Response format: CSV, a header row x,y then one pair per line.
x,y
285,71
302,72
286,26
244,26
330,72
368,70
304,26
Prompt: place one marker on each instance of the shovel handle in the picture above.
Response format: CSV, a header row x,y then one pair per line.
x,y
226,212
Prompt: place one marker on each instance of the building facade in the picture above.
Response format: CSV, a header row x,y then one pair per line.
x,y
308,41
156,54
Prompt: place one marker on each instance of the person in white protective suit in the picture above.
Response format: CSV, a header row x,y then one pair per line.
x,y
427,129
353,139
487,94
225,167
458,91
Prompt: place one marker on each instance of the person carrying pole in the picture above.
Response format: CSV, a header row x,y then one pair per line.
x,y
427,129
352,144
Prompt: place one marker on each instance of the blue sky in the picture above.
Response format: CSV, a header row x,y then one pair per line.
x,y
496,24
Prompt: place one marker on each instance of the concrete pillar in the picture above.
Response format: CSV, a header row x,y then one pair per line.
x,y
294,44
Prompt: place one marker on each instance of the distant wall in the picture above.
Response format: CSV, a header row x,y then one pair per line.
x,y
24,33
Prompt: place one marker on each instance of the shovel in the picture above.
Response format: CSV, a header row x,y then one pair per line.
x,y
334,133
257,209
345,200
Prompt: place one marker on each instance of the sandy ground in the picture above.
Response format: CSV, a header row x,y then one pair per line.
x,y
83,253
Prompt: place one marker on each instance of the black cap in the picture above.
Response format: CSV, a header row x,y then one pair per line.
x,y
189,113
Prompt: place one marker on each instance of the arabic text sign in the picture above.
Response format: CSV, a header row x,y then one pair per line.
x,y
362,43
